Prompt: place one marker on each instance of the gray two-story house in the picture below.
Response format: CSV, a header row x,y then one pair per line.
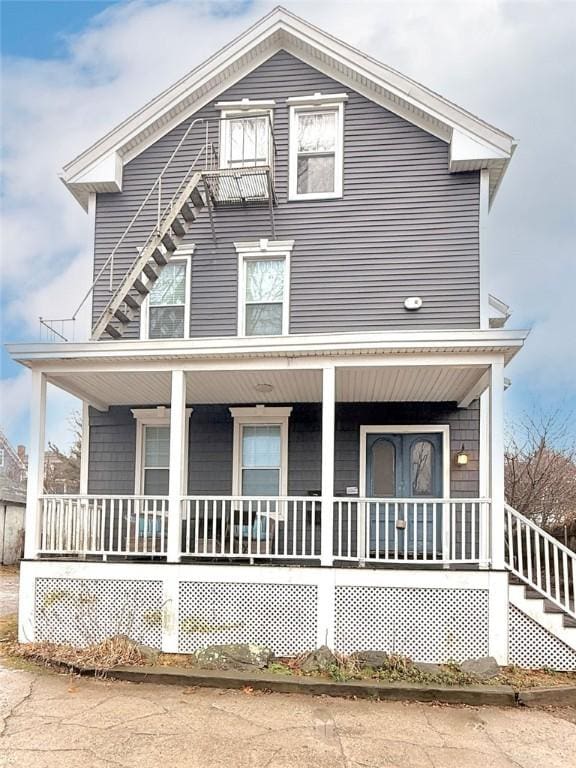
x,y
293,390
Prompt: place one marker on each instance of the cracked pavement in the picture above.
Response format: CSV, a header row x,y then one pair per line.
x,y
50,720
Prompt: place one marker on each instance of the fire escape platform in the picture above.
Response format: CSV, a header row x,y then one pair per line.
x,y
250,187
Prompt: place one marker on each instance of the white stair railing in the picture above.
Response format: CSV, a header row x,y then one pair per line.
x,y
541,561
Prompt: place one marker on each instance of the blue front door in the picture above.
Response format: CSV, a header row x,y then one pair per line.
x,y
405,466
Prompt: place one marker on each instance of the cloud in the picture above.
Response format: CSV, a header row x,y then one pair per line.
x,y
510,63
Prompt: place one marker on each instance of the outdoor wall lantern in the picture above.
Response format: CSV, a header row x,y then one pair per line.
x,y
461,457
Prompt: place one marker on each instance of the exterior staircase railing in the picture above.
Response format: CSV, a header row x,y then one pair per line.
x,y
540,561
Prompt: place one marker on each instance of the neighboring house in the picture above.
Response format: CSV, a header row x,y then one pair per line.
x,y
293,392
13,465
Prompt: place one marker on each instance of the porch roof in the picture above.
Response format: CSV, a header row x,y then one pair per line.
x,y
372,367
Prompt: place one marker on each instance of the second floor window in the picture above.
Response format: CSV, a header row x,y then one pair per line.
x,y
166,313
264,296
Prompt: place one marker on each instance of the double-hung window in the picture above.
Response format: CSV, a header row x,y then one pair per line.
x,y
263,293
260,450
156,460
316,148
165,314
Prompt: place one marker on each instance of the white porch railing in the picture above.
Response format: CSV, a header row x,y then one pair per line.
x,y
426,531
541,561
103,525
410,530
254,527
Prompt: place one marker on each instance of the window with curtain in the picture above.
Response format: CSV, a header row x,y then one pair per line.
x,y
260,460
167,303
264,297
156,460
246,141
316,151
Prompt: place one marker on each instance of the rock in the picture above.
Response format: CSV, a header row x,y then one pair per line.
x,y
427,668
483,668
319,660
235,656
149,654
371,659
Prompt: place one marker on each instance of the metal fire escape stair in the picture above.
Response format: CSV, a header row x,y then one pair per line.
x,y
154,256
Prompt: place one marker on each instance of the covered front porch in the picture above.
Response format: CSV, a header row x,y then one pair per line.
x,y
328,451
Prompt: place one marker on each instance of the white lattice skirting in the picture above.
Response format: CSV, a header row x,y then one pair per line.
x,y
532,646
431,616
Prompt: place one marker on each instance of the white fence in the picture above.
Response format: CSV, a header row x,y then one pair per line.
x,y
541,561
434,531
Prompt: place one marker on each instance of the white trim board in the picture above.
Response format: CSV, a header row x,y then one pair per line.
x,y
371,429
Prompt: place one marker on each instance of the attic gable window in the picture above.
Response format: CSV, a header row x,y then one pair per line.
x,y
245,133
316,147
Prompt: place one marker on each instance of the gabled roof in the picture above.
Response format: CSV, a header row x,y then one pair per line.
x,y
474,144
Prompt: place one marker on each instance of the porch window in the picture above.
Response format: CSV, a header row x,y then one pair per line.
x,y
261,460
316,151
260,451
166,313
156,460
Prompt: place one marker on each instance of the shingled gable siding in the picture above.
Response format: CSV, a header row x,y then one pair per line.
x,y
113,439
404,227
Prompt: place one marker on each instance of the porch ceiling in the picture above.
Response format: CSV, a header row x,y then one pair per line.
x,y
353,384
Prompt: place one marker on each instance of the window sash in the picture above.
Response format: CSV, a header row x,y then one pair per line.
x,y
316,152
274,301
241,148
253,466
156,304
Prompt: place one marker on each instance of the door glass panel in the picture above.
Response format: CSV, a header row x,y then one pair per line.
x,y
421,468
383,468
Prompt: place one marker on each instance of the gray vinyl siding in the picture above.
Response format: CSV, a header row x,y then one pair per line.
x,y
405,225
113,441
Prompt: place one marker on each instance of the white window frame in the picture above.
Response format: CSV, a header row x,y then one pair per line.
x,y
318,102
260,416
244,108
439,429
181,256
263,250
155,417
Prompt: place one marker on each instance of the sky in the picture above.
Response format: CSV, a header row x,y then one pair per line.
x,y
70,71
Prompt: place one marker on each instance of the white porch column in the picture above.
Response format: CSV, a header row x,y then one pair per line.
x,y
497,463
35,485
328,419
178,433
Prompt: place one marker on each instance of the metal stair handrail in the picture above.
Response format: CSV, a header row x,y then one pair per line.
x,y
160,214
540,561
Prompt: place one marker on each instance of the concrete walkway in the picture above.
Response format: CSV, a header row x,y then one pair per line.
x,y
50,720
